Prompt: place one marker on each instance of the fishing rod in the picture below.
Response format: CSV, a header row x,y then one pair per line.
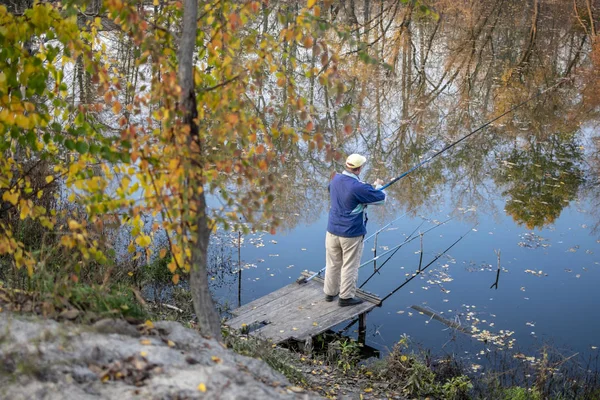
x,y
393,249
414,275
303,280
449,146
398,248
379,231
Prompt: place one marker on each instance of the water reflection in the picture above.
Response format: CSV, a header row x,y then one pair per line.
x,y
539,179
445,77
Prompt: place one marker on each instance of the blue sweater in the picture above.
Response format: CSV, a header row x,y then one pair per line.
x,y
349,197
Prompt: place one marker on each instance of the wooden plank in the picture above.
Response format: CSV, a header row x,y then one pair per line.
x,y
437,317
282,299
297,311
301,318
305,327
363,294
335,318
278,307
265,300
324,314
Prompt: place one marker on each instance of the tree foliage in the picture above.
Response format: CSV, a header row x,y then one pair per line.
x,y
119,145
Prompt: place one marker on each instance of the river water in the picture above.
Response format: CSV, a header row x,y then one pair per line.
x,y
525,188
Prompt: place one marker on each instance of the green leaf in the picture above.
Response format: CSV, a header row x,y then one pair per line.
x,y
94,148
347,109
56,126
70,144
81,147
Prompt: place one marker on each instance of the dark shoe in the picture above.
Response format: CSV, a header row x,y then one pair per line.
x,y
349,302
329,298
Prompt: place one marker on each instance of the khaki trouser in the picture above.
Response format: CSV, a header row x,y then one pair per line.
x,y
341,265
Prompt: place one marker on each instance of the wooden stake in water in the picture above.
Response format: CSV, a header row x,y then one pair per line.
x,y
495,285
375,253
421,256
239,243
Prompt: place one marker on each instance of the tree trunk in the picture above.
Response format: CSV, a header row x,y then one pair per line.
x,y
208,319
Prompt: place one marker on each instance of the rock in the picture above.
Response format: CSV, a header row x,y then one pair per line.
x,y
69,314
119,326
44,359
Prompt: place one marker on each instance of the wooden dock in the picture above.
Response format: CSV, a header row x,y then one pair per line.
x,y
297,312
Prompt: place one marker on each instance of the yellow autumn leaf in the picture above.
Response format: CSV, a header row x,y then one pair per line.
x,y
49,178
172,266
216,359
143,241
163,253
25,208
145,342
310,3
202,387
12,198
73,225
170,343
368,390
175,279
149,324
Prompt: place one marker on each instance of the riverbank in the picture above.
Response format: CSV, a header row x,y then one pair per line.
x,y
129,350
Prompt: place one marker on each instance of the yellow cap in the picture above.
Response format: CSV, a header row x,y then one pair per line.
x,y
355,161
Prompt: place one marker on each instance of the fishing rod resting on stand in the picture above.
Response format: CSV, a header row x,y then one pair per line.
x,y
398,248
414,275
451,145
303,280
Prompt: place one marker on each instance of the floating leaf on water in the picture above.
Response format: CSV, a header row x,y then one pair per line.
x,y
400,312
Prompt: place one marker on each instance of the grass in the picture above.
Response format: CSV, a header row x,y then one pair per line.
x,y
279,359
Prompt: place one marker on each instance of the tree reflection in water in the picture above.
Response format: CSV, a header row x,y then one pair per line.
x,y
540,179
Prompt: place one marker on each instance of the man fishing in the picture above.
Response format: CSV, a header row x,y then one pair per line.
x,y
346,229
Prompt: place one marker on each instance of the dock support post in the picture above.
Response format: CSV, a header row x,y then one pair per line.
x,y
362,328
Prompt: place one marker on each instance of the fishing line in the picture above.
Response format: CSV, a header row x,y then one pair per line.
x,y
408,240
414,275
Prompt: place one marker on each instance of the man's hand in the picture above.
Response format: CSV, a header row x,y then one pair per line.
x,y
378,183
